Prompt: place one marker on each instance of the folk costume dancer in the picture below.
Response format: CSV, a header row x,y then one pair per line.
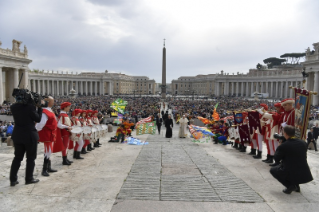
x,y
96,121
272,128
64,125
47,129
244,144
79,142
258,136
87,123
86,141
90,123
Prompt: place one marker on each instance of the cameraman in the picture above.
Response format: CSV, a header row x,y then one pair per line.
x,y
294,169
25,138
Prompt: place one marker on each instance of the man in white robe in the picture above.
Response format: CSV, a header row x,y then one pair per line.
x,y
183,127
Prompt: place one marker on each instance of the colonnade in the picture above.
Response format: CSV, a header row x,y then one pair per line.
x,y
275,89
58,87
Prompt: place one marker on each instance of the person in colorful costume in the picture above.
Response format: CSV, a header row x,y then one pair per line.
x,y
47,130
96,121
120,133
64,125
79,142
89,120
86,141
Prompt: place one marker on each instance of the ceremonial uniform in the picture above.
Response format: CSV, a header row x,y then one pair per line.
x,y
47,130
96,121
86,141
79,142
64,123
90,123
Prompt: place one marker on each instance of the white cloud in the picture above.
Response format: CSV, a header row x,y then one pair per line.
x,y
203,36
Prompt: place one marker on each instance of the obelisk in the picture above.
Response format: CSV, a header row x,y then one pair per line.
x,y
164,73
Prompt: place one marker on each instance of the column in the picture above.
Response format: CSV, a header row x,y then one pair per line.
x,y
95,88
25,79
315,98
271,89
247,89
267,91
276,91
251,89
53,88
232,88
262,87
242,89
58,88
257,87
38,88
77,86
43,88
237,88
67,87
86,87
1,87
102,88
82,87
15,77
91,88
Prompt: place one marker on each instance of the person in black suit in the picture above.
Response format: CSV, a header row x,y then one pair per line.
x,y
25,138
294,169
159,122
311,138
316,131
169,126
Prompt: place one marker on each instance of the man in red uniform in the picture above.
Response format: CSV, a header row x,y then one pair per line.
x,y
95,120
47,129
86,141
79,141
89,120
64,125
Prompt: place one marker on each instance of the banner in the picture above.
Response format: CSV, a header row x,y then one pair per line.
x,y
238,118
114,114
119,105
303,99
197,136
146,120
146,128
254,122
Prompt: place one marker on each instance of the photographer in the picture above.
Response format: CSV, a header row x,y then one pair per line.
x,y
294,169
25,138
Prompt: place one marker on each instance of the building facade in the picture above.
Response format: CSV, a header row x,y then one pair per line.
x,y
14,63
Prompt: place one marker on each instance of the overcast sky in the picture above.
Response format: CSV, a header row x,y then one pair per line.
x,y
202,36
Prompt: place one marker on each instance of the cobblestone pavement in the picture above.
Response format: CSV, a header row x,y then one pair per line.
x,y
179,170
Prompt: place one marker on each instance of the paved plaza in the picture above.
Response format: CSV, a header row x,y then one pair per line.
x,y
165,175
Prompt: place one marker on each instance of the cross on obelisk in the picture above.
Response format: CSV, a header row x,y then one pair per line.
x,y
164,73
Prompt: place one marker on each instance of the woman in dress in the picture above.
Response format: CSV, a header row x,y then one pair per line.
x,y
169,127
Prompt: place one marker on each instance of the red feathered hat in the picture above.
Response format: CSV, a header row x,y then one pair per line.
x,y
278,104
95,111
83,111
264,106
64,105
287,101
77,111
89,111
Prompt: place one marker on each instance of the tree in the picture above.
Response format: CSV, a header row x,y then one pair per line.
x,y
273,61
295,57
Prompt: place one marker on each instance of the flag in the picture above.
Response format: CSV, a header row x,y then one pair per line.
x,y
204,120
148,119
215,114
146,128
216,106
203,130
119,105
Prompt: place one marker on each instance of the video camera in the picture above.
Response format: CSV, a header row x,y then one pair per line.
x,y
25,96
279,137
